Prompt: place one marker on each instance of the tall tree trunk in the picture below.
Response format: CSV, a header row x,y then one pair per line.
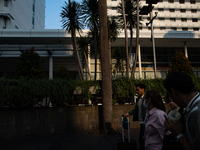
x,y
76,54
105,68
110,59
86,61
95,51
137,42
126,40
131,44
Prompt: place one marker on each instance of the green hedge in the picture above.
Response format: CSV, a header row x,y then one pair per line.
x,y
20,93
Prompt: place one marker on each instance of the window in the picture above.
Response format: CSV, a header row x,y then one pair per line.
x,y
185,29
193,10
182,10
149,28
113,0
33,15
161,19
181,1
4,23
184,19
114,8
172,19
148,18
173,28
6,3
160,9
171,10
194,20
162,28
196,29
192,2
171,1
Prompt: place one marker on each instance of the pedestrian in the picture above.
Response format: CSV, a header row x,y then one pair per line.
x,y
154,121
139,111
180,88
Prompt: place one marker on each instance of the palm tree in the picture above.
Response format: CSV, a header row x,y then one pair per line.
x,y
131,19
90,13
112,32
118,55
105,68
83,46
71,21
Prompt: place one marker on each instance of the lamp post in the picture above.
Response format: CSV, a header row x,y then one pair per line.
x,y
152,38
145,10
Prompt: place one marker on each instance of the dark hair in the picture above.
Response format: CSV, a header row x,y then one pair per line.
x,y
141,85
156,99
179,81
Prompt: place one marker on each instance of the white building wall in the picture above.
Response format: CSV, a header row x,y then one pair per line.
x,y
20,14
167,20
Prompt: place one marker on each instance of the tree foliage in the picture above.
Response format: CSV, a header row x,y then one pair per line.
x,y
62,73
30,65
71,16
180,63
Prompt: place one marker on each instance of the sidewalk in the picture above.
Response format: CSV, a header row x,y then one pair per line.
x,y
69,140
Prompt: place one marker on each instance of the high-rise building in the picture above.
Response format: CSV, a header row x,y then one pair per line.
x,y
22,14
176,27
173,15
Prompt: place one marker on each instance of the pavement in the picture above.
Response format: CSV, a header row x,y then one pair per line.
x,y
69,140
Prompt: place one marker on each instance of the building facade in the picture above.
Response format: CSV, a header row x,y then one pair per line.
x,y
22,14
171,32
176,27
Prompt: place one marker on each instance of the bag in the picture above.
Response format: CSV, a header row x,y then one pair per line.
x,y
125,123
170,143
126,144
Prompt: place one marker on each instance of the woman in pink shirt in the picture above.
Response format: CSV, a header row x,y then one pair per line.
x,y
154,121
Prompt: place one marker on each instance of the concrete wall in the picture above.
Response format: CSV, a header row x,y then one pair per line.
x,y
43,121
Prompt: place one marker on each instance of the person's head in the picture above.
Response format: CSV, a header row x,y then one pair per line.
x,y
178,82
140,89
154,99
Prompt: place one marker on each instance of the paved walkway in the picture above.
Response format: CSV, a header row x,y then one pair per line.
x,y
69,140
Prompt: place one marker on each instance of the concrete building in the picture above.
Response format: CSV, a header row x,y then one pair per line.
x,y
176,27
22,14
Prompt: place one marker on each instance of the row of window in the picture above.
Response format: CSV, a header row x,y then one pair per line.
x,y
174,19
180,1
172,1
174,28
181,10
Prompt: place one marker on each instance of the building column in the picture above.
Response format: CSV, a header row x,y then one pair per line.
x,y
50,68
185,49
139,61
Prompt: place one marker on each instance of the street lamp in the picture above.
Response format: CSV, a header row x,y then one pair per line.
x,y
144,11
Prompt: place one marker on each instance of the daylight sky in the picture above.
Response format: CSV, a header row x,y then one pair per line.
x,y
52,13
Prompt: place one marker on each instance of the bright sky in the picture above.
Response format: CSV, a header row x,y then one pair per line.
x,y
52,13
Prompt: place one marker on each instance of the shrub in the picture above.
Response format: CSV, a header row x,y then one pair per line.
x,y
29,65
62,73
180,63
